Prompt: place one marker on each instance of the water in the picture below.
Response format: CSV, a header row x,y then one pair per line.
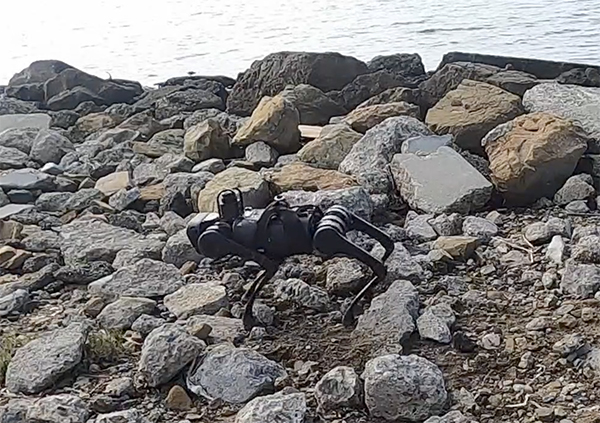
x,y
151,40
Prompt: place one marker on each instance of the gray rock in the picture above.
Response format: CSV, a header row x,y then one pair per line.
x,y
340,387
172,223
314,107
175,163
24,121
569,344
19,138
128,258
3,200
124,198
15,411
578,206
541,232
479,227
403,387
580,280
121,314
261,154
580,104
30,282
120,387
43,361
149,174
53,201
344,276
13,106
11,158
424,182
146,278
83,199
83,274
234,375
63,408
42,241
370,156
355,199
211,165
179,250
127,416
417,227
182,190
451,417
188,100
27,179
146,324
436,323
170,140
290,408
390,319
426,144
447,225
587,250
93,240
400,264
197,298
13,302
296,290
50,146
166,351
578,187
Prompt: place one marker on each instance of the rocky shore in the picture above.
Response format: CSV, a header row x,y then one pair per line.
x,y
484,172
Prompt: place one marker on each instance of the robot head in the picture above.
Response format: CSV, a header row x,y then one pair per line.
x,y
199,224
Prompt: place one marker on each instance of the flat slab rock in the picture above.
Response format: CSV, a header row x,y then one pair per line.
x,y
441,182
146,278
39,364
196,298
234,375
32,120
93,240
223,328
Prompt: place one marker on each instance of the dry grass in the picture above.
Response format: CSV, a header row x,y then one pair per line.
x,y
9,343
107,346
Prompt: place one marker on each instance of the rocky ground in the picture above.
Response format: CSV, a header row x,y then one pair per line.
x,y
484,173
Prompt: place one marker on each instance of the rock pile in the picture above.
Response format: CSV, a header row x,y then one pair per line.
x,y
484,173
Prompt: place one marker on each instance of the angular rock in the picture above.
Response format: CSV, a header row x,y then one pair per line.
x,y
447,225
252,372
578,187
479,228
569,102
364,118
366,86
426,144
127,416
144,123
149,174
313,106
146,324
83,274
13,302
11,258
63,408
179,250
11,158
124,198
400,264
43,361
93,240
451,417
269,76
580,280
344,276
274,121
393,95
166,351
261,154
19,138
459,247
418,227
472,110
340,387
390,319
196,298
369,157
50,146
578,207
436,323
541,232
299,176
146,278
423,182
28,179
356,199
587,250
175,163
211,165
403,387
22,124
188,100
121,314
15,411
255,190
299,291
169,140
289,408
532,156
330,148
83,199
53,201
207,140
224,329
513,81
94,123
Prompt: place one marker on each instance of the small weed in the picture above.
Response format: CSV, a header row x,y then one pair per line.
x,y
107,346
9,343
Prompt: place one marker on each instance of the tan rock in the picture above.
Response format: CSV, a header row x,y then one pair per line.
x,y
196,298
206,140
95,122
310,131
274,121
533,155
152,192
255,190
113,183
331,147
146,149
9,229
472,110
12,258
459,247
364,118
178,399
394,95
299,176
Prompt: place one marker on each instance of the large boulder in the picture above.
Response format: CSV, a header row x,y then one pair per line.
x,y
364,118
275,122
28,84
252,372
403,388
331,146
280,407
314,107
188,100
472,110
207,140
393,95
580,104
441,182
19,138
370,156
269,76
340,387
408,65
43,361
355,199
299,176
50,146
533,155
255,190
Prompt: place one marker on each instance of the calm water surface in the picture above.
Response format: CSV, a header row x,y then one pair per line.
x,y
151,40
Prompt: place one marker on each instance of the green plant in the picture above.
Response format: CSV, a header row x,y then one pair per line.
x,y
9,343
107,346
